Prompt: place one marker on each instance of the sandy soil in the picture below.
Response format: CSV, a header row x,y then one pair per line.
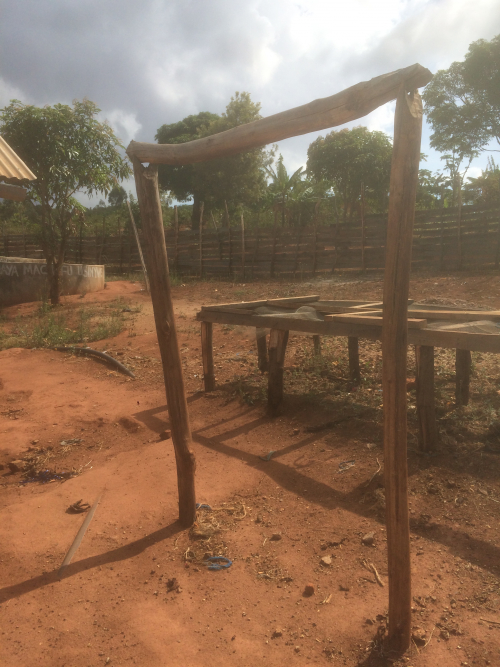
x,y
276,520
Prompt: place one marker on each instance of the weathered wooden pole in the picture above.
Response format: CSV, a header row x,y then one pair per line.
x,y
317,345
141,256
277,348
403,187
426,409
243,246
263,361
146,180
463,365
353,350
207,354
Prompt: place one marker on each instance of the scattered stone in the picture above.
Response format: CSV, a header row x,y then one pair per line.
x,y
419,636
172,585
130,424
275,537
259,518
444,634
277,633
295,431
326,561
344,587
16,466
368,540
165,435
297,649
370,621
309,590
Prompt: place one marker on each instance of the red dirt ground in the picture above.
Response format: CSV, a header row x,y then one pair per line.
x,y
113,605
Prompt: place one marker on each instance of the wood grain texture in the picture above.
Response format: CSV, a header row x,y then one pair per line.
x,y
263,361
207,354
426,408
463,364
403,187
146,180
277,347
12,192
354,102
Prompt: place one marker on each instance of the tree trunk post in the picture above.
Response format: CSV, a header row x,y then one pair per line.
x,y
277,347
176,247
426,410
317,345
200,229
403,186
353,350
146,180
463,363
139,249
207,355
243,246
263,360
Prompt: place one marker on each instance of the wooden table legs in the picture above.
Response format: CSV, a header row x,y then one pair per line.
x,y
353,348
277,347
317,345
208,356
263,361
426,412
463,363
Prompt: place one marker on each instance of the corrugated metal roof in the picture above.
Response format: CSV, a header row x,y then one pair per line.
x,y
11,165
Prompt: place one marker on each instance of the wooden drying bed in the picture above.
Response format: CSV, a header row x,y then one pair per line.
x,y
354,320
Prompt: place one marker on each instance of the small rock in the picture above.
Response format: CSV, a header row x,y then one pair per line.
x,y
297,649
309,590
444,634
275,537
344,587
165,435
295,431
277,633
368,540
369,621
259,518
16,466
419,637
326,560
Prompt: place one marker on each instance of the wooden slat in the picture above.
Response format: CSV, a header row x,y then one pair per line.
x,y
459,315
373,319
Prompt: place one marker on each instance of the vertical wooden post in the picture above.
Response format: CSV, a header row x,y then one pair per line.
x,y
426,410
141,256
403,186
146,180
277,347
263,362
317,345
243,246
176,247
463,363
353,349
363,263
207,355
201,238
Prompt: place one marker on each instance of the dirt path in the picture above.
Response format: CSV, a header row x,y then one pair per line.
x,y
276,520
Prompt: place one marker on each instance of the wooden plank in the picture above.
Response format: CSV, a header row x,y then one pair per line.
x,y
402,197
292,300
459,315
12,192
146,181
426,410
373,319
354,102
278,340
240,304
463,364
207,356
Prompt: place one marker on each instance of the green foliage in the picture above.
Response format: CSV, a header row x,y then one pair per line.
x,y
69,151
346,159
50,328
117,196
481,74
485,189
236,180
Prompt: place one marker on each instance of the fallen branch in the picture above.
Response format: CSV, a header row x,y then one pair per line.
x,y
79,537
371,568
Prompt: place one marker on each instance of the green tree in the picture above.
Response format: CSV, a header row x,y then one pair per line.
x,y
485,189
282,186
69,151
237,180
117,196
346,159
481,76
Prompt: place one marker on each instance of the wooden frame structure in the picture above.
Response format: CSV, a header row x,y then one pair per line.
x,y
348,105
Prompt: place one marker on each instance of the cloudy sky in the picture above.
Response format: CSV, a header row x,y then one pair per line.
x,y
156,61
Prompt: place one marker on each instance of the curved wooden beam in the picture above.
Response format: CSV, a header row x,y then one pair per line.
x,y
348,105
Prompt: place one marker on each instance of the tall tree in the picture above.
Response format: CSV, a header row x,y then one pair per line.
x,y
282,185
346,159
454,114
70,151
481,75
236,180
